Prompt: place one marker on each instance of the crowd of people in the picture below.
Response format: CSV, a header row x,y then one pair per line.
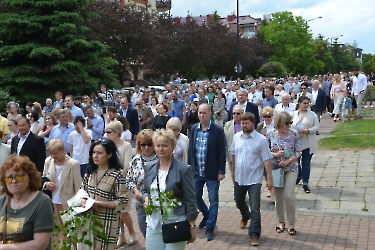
x,y
144,143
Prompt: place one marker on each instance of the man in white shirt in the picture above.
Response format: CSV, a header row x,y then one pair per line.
x,y
229,96
285,105
80,142
250,154
254,97
359,90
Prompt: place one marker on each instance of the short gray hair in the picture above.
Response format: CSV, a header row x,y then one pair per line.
x,y
175,123
243,91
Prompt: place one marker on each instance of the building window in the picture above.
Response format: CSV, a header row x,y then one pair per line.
x,y
234,30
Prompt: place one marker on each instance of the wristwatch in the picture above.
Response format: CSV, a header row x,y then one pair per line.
x,y
192,225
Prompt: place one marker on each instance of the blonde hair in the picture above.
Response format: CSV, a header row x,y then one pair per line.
x,y
282,118
55,144
174,122
165,135
267,111
116,127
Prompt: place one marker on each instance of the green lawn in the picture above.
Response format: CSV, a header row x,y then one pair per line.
x,y
350,136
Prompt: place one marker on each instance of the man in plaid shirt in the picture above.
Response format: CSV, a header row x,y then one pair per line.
x,y
108,95
207,156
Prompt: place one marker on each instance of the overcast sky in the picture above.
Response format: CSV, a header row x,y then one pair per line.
x,y
354,19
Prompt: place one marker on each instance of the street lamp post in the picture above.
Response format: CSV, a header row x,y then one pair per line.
x,y
336,37
238,65
312,20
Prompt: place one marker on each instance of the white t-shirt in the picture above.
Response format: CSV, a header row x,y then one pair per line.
x,y
80,148
56,197
126,135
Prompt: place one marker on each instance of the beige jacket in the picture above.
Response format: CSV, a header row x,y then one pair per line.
x,y
307,140
70,179
229,133
126,156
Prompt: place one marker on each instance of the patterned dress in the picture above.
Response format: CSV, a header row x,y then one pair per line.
x,y
111,187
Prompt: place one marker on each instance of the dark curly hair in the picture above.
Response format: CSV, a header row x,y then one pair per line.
x,y
110,148
23,164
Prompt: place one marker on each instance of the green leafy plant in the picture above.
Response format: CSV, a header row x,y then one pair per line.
x,y
70,231
164,198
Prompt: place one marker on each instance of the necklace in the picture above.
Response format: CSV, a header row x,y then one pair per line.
x,y
20,206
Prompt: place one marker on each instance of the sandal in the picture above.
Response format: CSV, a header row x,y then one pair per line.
x,y
292,231
280,229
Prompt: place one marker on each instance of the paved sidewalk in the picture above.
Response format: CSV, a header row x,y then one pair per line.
x,y
337,214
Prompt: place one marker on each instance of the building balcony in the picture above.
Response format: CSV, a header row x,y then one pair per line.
x,y
163,5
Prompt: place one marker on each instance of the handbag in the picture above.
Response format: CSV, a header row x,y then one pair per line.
x,y
5,221
175,231
278,177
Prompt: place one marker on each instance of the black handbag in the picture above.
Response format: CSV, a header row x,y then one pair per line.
x,y
175,231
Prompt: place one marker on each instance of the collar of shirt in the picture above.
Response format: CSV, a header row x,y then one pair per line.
x,y
24,137
252,134
208,128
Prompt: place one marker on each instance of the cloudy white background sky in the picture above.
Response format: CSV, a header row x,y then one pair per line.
x,y
354,19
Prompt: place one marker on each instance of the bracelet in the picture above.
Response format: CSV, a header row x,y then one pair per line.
x,y
192,226
290,159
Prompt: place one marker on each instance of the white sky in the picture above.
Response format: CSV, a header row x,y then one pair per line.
x,y
355,20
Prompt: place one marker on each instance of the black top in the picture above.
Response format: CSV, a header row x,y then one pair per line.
x,y
192,117
160,122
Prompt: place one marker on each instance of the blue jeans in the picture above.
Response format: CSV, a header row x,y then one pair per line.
x,y
213,197
83,169
304,165
254,200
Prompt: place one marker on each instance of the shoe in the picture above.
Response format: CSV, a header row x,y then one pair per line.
x,y
243,224
120,243
317,133
268,195
131,240
202,224
371,106
334,119
280,229
306,189
209,234
255,242
292,231
298,180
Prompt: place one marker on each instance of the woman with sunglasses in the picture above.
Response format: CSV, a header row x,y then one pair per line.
x,y
114,131
306,123
29,213
286,149
263,127
13,129
145,152
105,184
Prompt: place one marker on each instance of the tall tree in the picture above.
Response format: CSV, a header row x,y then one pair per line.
x,y
292,43
43,49
126,30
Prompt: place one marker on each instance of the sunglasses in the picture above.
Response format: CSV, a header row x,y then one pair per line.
x,y
108,132
18,178
303,88
266,116
102,141
288,123
143,145
237,113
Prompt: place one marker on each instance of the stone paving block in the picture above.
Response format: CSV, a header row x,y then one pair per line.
x,y
351,205
323,204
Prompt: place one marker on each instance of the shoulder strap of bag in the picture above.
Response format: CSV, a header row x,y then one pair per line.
x,y
5,220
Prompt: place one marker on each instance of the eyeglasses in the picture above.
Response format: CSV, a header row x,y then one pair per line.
x,y
288,123
108,132
266,116
237,113
102,141
18,178
143,145
303,88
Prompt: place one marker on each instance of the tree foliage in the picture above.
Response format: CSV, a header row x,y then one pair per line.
x,y
126,30
43,49
292,44
366,63
272,69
